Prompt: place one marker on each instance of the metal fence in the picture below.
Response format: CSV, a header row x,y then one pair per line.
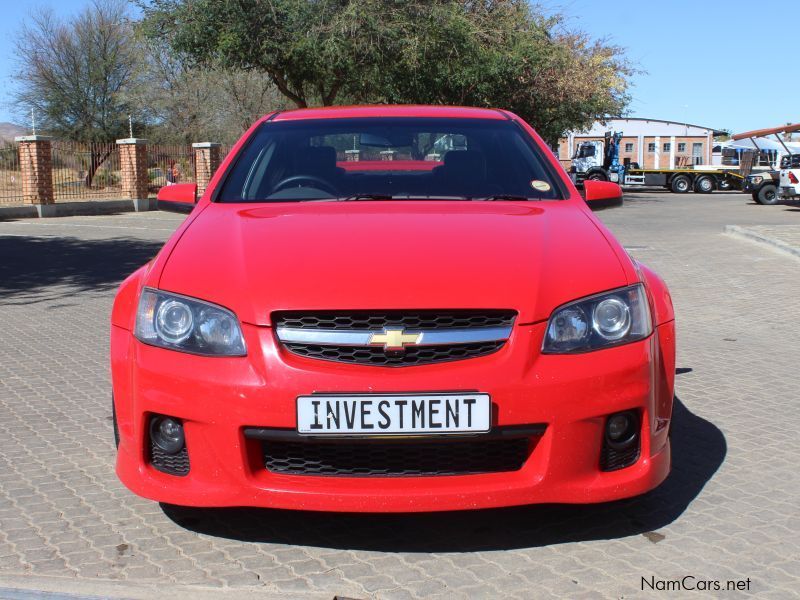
x,y
85,171
169,164
10,174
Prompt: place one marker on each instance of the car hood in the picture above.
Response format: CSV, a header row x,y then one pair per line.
x,y
529,257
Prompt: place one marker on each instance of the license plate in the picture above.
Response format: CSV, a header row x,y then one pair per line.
x,y
375,414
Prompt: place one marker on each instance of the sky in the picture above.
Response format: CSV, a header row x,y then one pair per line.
x,y
706,62
714,63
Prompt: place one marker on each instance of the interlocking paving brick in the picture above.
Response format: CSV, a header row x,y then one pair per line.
x,y
728,510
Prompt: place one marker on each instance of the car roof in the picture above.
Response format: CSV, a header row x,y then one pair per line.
x,y
385,110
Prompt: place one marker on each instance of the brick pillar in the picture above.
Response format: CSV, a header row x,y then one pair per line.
x,y
36,164
206,160
133,162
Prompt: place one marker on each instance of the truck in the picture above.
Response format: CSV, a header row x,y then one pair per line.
x,y
781,181
599,160
789,188
762,186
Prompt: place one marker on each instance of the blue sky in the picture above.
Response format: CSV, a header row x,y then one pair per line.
x,y
708,62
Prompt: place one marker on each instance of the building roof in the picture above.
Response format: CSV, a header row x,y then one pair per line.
x,y
665,121
605,125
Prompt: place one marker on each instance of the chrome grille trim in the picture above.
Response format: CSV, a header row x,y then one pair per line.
x,y
393,338
429,337
412,320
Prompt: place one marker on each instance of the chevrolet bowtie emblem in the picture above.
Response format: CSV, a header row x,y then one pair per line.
x,y
394,339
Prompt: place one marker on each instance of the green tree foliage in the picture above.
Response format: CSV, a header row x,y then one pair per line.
x,y
501,53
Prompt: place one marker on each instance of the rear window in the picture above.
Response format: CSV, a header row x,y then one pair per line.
x,y
790,162
397,158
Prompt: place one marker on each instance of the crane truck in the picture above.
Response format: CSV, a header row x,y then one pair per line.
x,y
599,160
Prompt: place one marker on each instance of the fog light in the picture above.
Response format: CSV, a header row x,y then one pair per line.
x,y
621,429
167,434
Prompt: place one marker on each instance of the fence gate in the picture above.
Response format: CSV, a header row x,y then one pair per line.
x,y
10,174
86,170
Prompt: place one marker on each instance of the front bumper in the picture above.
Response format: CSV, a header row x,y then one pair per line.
x,y
749,187
217,398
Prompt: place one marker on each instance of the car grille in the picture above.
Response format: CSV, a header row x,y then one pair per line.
x,y
396,458
173,464
376,321
411,356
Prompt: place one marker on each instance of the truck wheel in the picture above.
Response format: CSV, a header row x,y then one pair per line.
x,y
768,194
681,184
597,176
704,185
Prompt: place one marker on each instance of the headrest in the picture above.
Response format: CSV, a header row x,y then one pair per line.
x,y
465,161
317,158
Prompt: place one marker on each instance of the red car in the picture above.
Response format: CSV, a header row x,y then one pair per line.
x,y
385,309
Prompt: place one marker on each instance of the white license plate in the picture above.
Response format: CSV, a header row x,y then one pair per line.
x,y
375,414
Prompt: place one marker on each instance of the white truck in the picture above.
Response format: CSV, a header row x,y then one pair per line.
x,y
784,178
789,186
599,160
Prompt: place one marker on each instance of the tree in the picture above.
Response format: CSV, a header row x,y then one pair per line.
x,y
477,52
183,103
71,73
281,38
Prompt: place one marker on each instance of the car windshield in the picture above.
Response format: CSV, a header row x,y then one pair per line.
x,y
389,159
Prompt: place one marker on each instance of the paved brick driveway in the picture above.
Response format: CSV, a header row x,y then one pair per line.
x,y
728,511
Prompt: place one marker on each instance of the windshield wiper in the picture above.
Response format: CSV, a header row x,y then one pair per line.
x,y
401,197
357,197
512,197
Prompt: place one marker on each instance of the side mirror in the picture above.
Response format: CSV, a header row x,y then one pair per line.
x,y
179,198
602,194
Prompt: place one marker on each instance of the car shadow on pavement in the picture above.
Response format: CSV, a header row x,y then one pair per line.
x,y
698,450
35,269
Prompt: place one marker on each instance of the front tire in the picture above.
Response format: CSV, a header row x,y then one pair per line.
x,y
596,176
681,184
768,194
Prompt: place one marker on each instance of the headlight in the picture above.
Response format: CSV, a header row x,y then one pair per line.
x,y
607,319
187,325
